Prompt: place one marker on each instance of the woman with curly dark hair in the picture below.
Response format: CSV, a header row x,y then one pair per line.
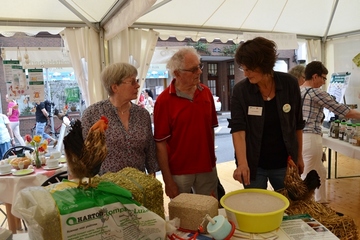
x,y
266,117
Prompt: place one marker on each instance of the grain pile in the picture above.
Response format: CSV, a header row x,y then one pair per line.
x,y
343,227
191,209
145,189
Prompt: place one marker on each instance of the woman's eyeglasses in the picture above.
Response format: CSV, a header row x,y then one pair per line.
x,y
194,69
241,68
133,82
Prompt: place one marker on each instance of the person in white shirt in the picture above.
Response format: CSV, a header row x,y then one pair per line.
x,y
6,135
149,102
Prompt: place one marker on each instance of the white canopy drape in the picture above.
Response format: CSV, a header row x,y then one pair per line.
x,y
84,48
136,47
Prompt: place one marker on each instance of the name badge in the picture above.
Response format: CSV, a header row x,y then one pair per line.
x,y
255,111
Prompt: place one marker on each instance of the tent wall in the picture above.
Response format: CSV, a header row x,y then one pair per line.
x,y
338,58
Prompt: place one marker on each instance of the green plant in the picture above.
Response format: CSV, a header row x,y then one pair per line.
x,y
230,50
200,47
26,111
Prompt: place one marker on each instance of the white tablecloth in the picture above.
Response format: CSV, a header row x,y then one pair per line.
x,y
342,147
10,185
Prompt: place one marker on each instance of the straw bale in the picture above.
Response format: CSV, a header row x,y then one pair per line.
x,y
191,209
145,189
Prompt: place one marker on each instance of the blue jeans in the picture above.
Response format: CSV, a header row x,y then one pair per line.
x,y
275,176
4,147
40,130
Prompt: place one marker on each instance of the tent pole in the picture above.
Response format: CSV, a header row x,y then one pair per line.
x,y
330,20
73,10
48,90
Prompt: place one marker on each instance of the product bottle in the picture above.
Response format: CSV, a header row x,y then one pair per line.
x,y
352,134
342,130
347,132
357,135
331,129
335,129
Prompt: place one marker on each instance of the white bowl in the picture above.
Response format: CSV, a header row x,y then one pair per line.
x,y
5,168
52,163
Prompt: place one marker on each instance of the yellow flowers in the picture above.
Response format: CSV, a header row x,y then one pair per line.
x,y
37,142
37,138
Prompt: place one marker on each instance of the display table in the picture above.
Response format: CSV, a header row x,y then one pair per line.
x,y
342,147
10,185
292,227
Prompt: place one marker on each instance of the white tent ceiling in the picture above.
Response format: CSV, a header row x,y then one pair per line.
x,y
225,19
230,18
53,16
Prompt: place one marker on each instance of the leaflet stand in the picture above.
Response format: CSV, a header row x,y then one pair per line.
x,y
337,87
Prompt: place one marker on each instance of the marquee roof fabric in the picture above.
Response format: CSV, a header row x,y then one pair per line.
x,y
224,19
230,18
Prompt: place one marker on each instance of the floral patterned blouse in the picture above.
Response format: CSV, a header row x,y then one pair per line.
x,y
134,147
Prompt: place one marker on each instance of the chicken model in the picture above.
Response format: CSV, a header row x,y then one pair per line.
x,y
84,157
296,188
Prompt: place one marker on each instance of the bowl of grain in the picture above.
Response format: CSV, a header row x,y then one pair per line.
x,y
255,210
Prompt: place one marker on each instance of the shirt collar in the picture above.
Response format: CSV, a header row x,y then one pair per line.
x,y
172,88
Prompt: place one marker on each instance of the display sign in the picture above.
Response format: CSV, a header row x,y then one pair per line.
x,y
72,95
8,75
337,87
19,82
157,71
36,85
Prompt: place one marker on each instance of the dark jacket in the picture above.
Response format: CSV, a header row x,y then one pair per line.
x,y
287,94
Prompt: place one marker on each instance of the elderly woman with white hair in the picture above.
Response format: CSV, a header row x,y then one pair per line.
x,y
129,136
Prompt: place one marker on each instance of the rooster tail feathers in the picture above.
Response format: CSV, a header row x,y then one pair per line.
x,y
312,180
73,141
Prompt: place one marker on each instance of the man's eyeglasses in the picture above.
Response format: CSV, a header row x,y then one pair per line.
x,y
324,78
133,82
194,69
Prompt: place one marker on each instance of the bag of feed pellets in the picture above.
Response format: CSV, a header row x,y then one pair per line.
x,y
63,211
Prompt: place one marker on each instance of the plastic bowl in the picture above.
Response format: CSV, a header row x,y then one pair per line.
x,y
255,222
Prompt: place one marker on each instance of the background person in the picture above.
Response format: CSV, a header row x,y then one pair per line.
x,y
6,135
42,116
13,115
149,101
184,122
299,72
141,101
315,100
129,137
266,118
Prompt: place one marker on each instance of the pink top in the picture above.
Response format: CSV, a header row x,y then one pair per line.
x,y
14,117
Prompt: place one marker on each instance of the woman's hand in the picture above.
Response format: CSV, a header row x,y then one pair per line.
x,y
242,174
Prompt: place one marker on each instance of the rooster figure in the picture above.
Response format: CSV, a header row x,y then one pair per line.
x,y
296,188
84,158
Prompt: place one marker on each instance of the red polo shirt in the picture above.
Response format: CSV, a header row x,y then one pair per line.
x,y
187,126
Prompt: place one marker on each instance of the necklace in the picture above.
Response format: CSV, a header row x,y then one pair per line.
x,y
268,95
122,112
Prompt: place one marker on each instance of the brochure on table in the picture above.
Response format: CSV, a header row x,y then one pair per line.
x,y
295,227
